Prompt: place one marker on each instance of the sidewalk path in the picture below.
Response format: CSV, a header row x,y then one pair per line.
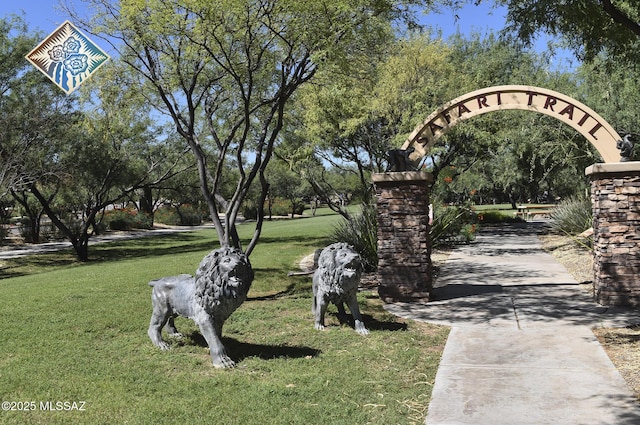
x,y
521,350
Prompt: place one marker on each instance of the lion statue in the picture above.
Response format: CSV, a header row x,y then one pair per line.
x,y
336,280
398,159
219,287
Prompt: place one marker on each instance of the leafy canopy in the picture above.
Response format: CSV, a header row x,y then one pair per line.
x,y
225,71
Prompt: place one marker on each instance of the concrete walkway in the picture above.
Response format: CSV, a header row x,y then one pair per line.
x,y
521,350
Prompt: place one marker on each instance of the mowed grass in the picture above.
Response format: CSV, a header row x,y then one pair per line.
x,y
77,333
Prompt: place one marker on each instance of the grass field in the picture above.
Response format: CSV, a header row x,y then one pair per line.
x,y
77,333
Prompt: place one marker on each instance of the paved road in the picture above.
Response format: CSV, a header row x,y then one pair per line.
x,y
521,350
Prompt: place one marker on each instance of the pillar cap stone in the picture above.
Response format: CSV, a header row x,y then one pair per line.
x,y
613,167
402,176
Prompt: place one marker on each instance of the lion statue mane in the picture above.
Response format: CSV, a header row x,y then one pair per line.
x,y
336,280
220,286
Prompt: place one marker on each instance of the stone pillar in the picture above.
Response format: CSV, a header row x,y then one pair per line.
x,y
404,247
615,194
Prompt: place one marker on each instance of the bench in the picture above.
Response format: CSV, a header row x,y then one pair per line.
x,y
528,212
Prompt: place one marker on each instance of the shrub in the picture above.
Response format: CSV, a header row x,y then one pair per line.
x,y
100,226
572,216
453,224
26,232
166,215
283,207
189,215
496,216
127,219
185,215
249,210
279,207
361,232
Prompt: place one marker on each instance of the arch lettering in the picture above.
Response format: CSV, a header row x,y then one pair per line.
x,y
515,97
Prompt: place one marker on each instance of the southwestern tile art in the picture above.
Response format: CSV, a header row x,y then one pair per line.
x,y
67,57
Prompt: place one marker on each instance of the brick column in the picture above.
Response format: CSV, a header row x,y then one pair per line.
x,y
404,247
615,193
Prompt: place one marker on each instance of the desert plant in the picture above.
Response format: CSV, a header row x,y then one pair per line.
x,y
166,214
453,224
188,215
249,210
361,232
497,216
572,216
127,219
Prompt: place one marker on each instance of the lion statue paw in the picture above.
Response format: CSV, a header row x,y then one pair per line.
x,y
220,286
336,280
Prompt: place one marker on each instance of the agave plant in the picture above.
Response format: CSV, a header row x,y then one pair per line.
x,y
361,232
572,216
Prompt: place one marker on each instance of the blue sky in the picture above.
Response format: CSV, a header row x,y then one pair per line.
x,y
39,14
482,18
43,15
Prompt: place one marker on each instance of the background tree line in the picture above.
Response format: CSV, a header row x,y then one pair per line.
x,y
233,105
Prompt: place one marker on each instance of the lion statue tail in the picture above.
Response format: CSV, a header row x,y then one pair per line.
x,y
314,306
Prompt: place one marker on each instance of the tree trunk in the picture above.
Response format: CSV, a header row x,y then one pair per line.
x,y
82,247
80,242
146,202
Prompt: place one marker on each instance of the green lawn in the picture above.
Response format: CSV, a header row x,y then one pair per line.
x,y
77,333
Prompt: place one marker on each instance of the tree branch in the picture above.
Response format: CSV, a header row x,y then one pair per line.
x,y
620,17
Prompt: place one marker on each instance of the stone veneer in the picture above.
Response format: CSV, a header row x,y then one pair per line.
x,y
615,194
404,247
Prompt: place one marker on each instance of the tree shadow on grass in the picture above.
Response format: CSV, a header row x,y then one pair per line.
x,y
181,243
373,324
34,264
239,350
125,249
293,289
150,246
143,247
312,241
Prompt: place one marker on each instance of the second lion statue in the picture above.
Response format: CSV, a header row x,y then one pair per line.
x,y
220,286
336,280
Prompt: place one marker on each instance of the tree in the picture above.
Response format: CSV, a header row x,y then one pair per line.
x,y
520,154
352,120
489,157
225,71
98,159
32,209
613,92
31,111
588,27
33,115
35,122
12,50
173,182
286,184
